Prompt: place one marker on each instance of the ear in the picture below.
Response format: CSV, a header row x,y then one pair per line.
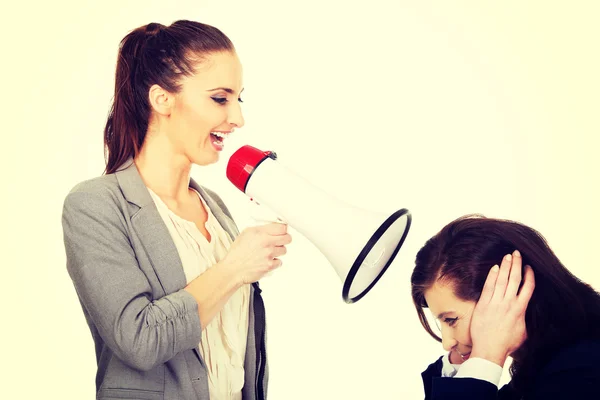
x,y
161,100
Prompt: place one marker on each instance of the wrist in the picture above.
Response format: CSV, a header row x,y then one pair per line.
x,y
496,357
231,274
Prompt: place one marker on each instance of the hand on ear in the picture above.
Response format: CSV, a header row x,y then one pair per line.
x,y
498,322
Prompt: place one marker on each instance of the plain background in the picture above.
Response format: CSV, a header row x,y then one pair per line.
x,y
445,108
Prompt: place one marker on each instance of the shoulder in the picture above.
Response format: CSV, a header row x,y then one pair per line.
x,y
99,185
583,354
99,193
433,370
573,373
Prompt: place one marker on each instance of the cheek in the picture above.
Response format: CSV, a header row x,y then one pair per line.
x,y
193,120
465,334
198,118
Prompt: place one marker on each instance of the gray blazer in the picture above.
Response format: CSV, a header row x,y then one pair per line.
x,y
129,280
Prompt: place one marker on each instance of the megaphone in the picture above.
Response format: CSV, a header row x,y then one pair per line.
x,y
359,244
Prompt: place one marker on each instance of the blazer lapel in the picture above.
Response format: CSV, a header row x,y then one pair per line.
x,y
151,230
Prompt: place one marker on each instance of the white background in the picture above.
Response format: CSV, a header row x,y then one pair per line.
x,y
445,108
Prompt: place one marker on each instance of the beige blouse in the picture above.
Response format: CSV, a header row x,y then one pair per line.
x,y
223,343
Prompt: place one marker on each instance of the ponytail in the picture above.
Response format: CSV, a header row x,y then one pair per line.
x,y
151,54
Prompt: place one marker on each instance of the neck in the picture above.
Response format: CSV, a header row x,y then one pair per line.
x,y
164,171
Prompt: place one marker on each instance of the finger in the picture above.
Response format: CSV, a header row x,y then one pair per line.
x,y
274,263
281,240
279,251
515,276
488,287
274,228
502,280
527,289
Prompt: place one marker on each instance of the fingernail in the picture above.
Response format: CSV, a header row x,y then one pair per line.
x,y
495,268
517,254
508,257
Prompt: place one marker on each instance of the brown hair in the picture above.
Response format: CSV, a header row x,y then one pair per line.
x,y
152,54
561,311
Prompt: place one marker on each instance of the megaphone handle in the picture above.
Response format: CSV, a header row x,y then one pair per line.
x,y
262,215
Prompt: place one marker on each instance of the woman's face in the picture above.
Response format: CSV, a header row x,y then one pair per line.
x,y
207,108
453,317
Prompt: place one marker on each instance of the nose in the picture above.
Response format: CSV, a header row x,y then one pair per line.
x,y
236,119
448,341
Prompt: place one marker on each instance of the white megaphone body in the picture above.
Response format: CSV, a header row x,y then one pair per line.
x,y
359,244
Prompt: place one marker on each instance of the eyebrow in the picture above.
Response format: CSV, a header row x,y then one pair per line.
x,y
228,90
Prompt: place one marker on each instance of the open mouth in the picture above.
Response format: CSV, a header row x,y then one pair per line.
x,y
217,139
218,136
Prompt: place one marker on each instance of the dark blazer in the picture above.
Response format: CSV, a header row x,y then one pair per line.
x,y
573,373
129,280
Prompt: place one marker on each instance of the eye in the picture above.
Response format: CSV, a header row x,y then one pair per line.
x,y
220,100
451,321
240,100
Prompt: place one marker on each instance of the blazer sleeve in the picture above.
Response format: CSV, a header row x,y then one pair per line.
x,y
462,389
575,377
437,387
143,332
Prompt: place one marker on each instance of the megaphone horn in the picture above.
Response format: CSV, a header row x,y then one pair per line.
x,y
360,256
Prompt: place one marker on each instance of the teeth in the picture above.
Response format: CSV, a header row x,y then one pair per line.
x,y
219,134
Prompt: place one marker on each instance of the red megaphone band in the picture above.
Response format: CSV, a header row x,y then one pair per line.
x,y
243,163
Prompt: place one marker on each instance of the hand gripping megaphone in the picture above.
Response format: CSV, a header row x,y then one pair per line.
x,y
359,244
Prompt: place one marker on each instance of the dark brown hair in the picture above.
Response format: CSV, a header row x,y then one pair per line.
x,y
152,54
562,309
